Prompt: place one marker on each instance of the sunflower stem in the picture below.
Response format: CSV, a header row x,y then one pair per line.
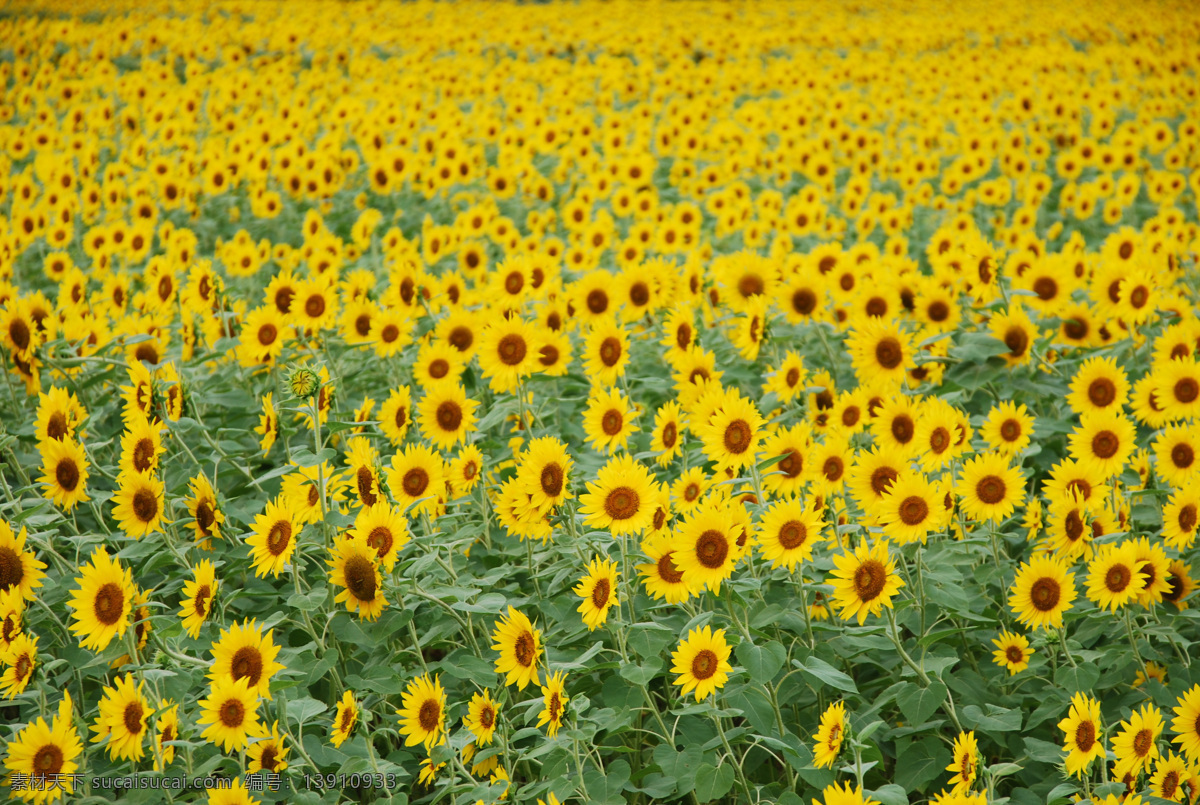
x,y
741,775
1132,640
1062,639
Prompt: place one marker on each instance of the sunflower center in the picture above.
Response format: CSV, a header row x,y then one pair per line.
x,y
200,602
1187,517
267,334
1073,525
415,481
1010,430
913,510
514,282
548,355
511,349
1170,784
360,578
365,479
869,580
362,325
461,338
888,353
622,503
48,760
268,758
792,464
712,548
1105,444
247,662
833,469
1017,341
380,539
552,479
18,331
667,570
278,537
524,649
1101,392
705,664
67,474
1142,742
610,351
389,333
1014,654
145,505
22,667
133,718
449,415
639,294
315,306
683,335
11,569
1117,578
1045,594
669,435
792,534
1182,456
600,593
737,436
108,604
56,427
1046,288
597,301
232,713
804,301
881,480
1187,390
903,429
487,717
204,517
991,489
401,417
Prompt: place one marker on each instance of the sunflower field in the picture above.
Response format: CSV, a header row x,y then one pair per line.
x,y
599,402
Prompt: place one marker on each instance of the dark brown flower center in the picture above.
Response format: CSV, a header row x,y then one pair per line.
x,y
610,351
834,467
597,301
552,479
1045,594
903,429
1117,578
511,349
200,601
56,426
449,415
612,422
792,534
232,713
48,760
1187,517
881,480
1105,444
109,604
278,537
737,436
1183,456
712,548
66,472
133,718
705,664
1101,392
1143,742
360,578
888,353
524,650
991,489
204,517
667,570
913,510
622,503
247,662
1014,654
600,593
315,306
144,505
1017,341
415,482
11,568
869,580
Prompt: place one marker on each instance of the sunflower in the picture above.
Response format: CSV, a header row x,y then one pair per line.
x,y
64,472
198,595
702,662
667,438
166,730
395,415
21,658
1170,776
1012,651
344,719
1082,739
230,711
606,352
138,504
1179,581
791,474
244,652
354,567
273,539
269,754
1099,385
59,415
46,752
268,424
315,305
12,609
879,351
262,337
620,498
1176,388
989,487
787,533
1017,331
103,602
695,370
661,578
1104,440
437,361
235,794
383,529
416,479
391,331
1155,568
872,476
362,471
123,719
731,436
1115,577
894,424
598,589
1042,591
520,646
864,582
300,492
207,517
965,762
835,795
423,713
20,570
829,459
1008,428
706,545
911,508
553,353
788,379
544,472
1136,745
446,414
608,420
554,700
1177,454
1186,725
507,352
480,720
827,741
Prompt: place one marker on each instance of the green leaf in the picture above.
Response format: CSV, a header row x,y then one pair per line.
x,y
889,795
1062,791
814,668
763,662
921,763
605,787
918,703
649,639
1079,679
996,719
641,674
680,766
713,782
305,709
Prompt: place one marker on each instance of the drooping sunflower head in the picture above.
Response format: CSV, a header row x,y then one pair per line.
x,y
354,568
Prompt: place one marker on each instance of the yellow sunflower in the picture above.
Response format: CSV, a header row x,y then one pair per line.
x,y
520,647
269,754
731,436
138,504
198,595
1012,651
273,539
207,516
481,716
21,658
880,351
59,415
865,581
1186,725
1177,454
667,437
1136,745
827,741
103,602
446,414
554,700
46,751
268,424
544,470
661,578
965,762
598,589
706,546
702,662
344,719
1173,779
1082,738
1041,592
1104,440
64,472
123,720
1099,385
417,479
354,567
911,508
990,488
230,711
1114,576
787,533
621,497
609,420
383,529
244,652
507,352
423,713
606,352
20,570
1008,428
166,730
